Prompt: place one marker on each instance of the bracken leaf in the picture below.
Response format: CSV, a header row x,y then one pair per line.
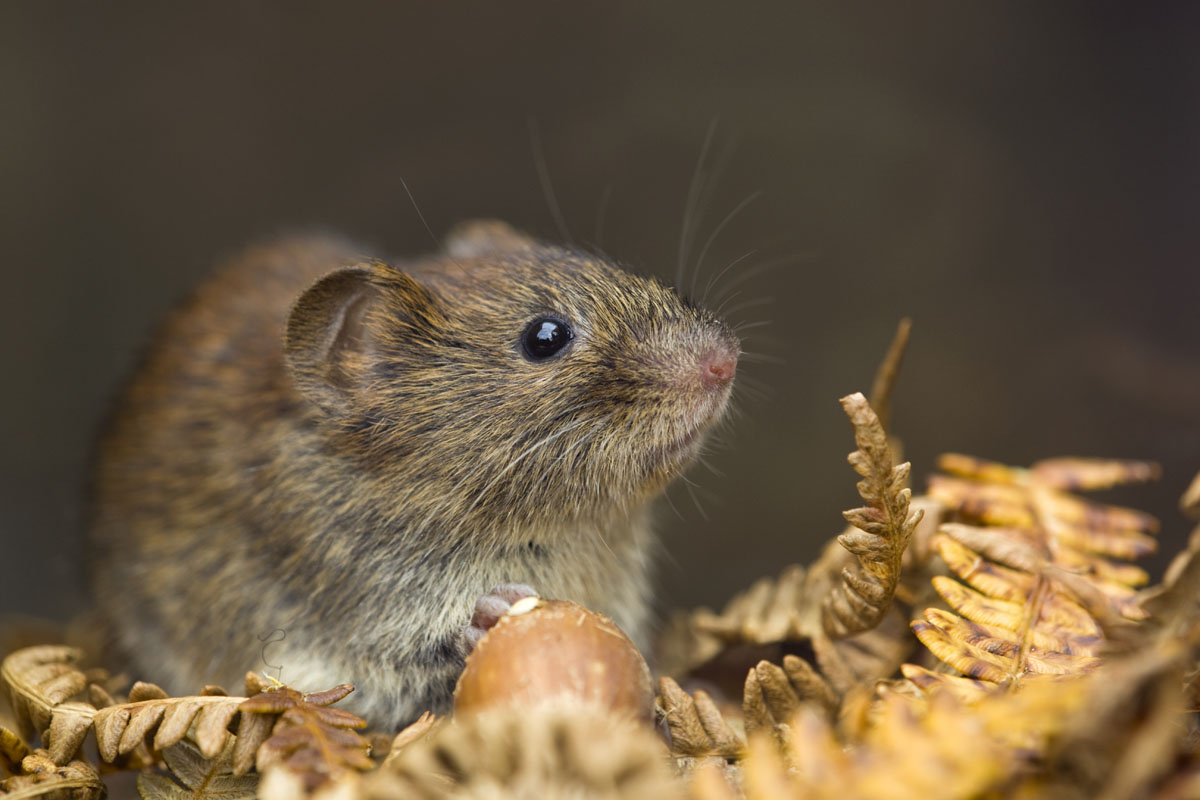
x,y
121,728
315,742
696,726
38,776
40,682
1039,586
197,776
885,526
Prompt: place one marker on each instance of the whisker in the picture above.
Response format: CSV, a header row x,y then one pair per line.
x,y
761,267
586,437
437,244
708,465
751,325
667,496
745,304
539,162
760,358
703,514
717,232
690,203
708,286
711,180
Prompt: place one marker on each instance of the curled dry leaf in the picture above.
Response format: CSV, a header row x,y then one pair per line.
x,y
12,751
41,682
197,776
885,526
308,738
774,695
544,751
40,777
418,730
696,726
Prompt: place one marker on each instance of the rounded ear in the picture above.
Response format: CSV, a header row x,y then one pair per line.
x,y
327,343
483,237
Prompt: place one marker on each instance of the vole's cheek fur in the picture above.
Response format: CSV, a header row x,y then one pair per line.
x,y
355,458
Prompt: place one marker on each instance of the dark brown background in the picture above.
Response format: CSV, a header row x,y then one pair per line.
x,y
1021,179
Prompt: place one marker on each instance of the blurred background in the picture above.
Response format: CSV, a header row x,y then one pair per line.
x,y
1021,179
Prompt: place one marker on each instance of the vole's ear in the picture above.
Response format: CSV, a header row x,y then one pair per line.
x,y
327,343
486,237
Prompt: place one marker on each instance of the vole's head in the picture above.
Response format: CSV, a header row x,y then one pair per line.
x,y
510,380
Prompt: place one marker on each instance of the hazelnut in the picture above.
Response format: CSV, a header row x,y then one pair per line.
x,y
554,652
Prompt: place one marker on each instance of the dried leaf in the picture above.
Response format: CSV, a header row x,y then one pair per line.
x,y
418,730
885,526
12,751
141,691
885,375
41,681
197,776
696,726
1039,587
912,751
315,742
773,695
40,777
769,611
121,728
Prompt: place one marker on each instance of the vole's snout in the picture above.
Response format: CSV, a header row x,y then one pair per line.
x,y
718,366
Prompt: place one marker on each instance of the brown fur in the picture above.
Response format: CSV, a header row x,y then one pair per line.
x,y
361,480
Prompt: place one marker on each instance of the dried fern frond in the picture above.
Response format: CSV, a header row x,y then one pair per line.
x,y
773,695
152,716
308,737
544,752
1036,591
12,750
913,751
197,776
769,611
41,682
696,726
40,777
846,593
885,526
886,373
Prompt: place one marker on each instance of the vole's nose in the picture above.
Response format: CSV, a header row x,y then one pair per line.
x,y
718,366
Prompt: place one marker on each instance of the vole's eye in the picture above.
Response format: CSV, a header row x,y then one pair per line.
x,y
545,338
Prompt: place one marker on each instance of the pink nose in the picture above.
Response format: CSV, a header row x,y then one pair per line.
x,y
717,367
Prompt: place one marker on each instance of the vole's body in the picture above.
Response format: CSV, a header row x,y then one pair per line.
x,y
361,481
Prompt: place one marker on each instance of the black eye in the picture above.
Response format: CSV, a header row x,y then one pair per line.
x,y
545,338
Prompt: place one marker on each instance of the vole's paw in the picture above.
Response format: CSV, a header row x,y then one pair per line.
x,y
489,608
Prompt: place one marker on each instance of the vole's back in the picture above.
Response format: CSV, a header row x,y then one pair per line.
x,y
174,532
353,459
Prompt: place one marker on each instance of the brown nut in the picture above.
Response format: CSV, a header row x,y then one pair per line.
x,y
558,653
